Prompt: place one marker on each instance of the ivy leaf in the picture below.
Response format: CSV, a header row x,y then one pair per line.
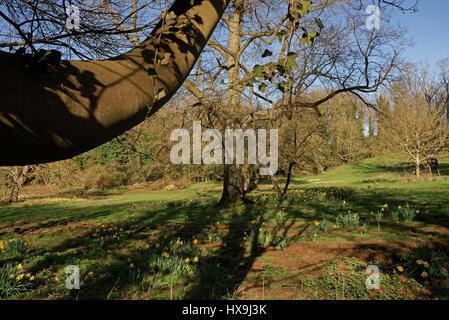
x,y
305,7
319,23
291,60
281,34
281,86
267,53
152,73
282,69
160,94
258,70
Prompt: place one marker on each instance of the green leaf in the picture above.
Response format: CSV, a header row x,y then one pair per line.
x,y
282,69
267,53
313,34
281,86
263,87
306,6
152,73
258,70
319,23
281,35
291,60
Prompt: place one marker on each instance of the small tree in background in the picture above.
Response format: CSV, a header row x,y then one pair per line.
x,y
415,127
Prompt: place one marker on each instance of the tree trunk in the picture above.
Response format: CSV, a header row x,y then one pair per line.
x,y
19,177
232,176
80,105
232,194
418,169
238,181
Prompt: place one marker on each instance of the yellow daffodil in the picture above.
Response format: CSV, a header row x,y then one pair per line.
x,y
400,269
187,260
419,261
195,259
424,274
425,264
131,265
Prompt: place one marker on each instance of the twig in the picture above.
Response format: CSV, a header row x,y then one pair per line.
x,y
110,292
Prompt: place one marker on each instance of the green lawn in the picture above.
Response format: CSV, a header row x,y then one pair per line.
x,y
139,244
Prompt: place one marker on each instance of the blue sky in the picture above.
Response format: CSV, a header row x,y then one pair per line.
x,y
429,29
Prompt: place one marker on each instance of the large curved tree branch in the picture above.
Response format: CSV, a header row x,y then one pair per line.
x,y
80,105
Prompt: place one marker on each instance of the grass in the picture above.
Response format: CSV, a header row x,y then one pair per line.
x,y
139,244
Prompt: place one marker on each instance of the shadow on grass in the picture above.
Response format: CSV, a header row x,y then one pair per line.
x,y
220,272
176,219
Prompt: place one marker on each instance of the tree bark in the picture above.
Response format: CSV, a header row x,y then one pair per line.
x,y
418,169
81,105
19,177
233,194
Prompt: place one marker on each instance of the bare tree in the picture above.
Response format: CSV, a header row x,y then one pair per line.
x,y
415,126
